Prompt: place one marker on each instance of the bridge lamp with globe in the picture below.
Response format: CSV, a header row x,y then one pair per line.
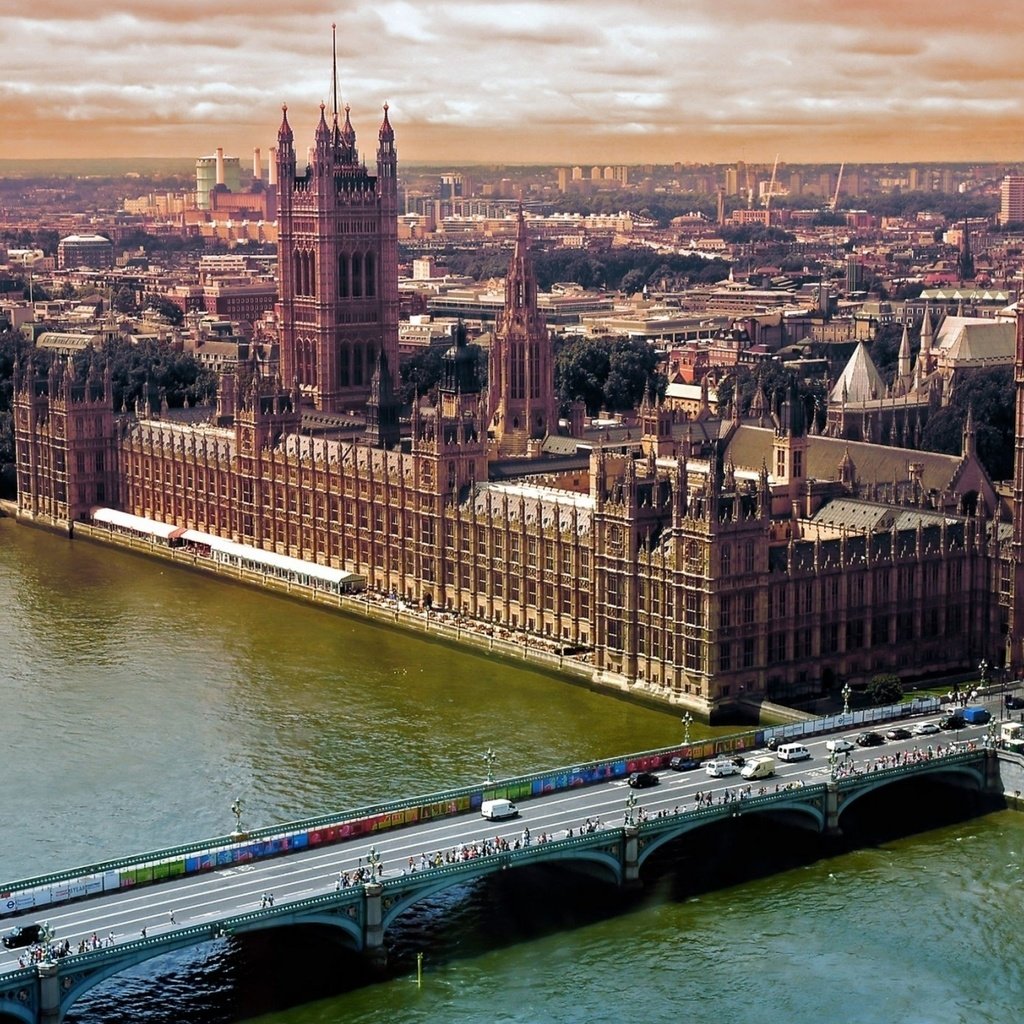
x,y
687,721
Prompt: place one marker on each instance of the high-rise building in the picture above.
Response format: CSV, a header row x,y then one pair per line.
x,y
1011,199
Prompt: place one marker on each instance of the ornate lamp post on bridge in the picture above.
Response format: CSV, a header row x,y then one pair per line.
x,y
236,810
373,859
687,720
833,765
489,758
846,691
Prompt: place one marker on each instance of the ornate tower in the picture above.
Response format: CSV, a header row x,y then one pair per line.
x,y
521,406
1015,639
337,262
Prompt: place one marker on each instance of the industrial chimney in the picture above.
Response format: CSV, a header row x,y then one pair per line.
x,y
272,167
257,164
220,165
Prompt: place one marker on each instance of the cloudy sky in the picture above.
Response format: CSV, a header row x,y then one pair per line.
x,y
554,81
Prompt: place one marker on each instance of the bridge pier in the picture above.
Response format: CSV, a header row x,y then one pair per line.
x,y
49,993
832,810
373,930
631,857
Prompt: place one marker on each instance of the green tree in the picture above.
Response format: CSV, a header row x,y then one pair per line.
x,y
124,300
606,373
164,307
884,689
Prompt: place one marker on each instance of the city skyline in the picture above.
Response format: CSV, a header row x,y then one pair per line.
x,y
561,81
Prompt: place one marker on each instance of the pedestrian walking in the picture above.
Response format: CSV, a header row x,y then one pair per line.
x,y
170,917
143,932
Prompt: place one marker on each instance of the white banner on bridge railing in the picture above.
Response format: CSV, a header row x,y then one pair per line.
x,y
85,886
111,881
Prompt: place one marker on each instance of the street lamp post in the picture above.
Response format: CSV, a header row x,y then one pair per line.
x,y
489,759
833,765
236,810
687,720
373,859
846,697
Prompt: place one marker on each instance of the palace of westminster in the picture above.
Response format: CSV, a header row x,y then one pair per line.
x,y
709,562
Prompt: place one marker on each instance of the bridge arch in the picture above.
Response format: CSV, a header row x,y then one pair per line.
x,y
811,811
411,893
970,772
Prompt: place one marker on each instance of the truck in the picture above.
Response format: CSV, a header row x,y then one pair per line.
x,y
1011,737
759,768
975,715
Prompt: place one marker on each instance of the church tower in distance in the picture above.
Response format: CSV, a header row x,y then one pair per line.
x,y
337,259
521,406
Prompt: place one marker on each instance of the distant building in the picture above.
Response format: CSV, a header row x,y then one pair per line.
x,y
1011,199
85,251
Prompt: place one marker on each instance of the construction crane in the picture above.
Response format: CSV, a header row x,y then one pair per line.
x,y
835,196
771,188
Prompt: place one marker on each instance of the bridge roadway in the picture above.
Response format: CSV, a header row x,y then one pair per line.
x,y
203,900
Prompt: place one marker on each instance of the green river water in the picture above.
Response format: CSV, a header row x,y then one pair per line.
x,y
139,700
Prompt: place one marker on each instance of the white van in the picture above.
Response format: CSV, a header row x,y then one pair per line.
x,y
719,768
793,752
496,810
758,768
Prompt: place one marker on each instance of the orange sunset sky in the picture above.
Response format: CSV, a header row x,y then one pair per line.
x,y
552,81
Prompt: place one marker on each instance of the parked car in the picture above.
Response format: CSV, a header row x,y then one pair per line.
x,y
924,729
869,739
951,722
23,936
683,764
898,733
840,745
643,780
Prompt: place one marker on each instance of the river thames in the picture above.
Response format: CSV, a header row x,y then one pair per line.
x,y
139,700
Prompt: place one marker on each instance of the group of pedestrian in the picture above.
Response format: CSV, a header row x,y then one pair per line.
x,y
266,900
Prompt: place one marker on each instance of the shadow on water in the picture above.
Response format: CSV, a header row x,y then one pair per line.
x,y
230,981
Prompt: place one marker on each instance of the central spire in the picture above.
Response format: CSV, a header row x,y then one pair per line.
x,y
334,70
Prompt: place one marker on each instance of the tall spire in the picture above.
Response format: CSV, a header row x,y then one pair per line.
x,y
334,70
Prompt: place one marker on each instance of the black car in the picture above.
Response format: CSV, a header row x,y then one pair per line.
x,y
899,733
869,739
952,722
773,743
739,760
683,764
643,780
23,936
1012,703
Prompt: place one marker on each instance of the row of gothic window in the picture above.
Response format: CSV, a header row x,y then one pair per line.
x,y
357,274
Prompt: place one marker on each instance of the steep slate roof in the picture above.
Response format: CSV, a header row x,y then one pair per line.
x,y
991,341
873,463
860,380
860,516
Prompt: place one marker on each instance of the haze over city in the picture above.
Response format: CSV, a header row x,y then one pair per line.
x,y
559,81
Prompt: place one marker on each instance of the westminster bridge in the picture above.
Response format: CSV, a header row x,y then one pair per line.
x,y
357,874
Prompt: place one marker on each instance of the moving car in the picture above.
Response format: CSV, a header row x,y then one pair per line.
x,y
679,763
23,936
719,768
840,745
898,733
924,729
793,752
869,739
496,810
951,722
643,780
1012,702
